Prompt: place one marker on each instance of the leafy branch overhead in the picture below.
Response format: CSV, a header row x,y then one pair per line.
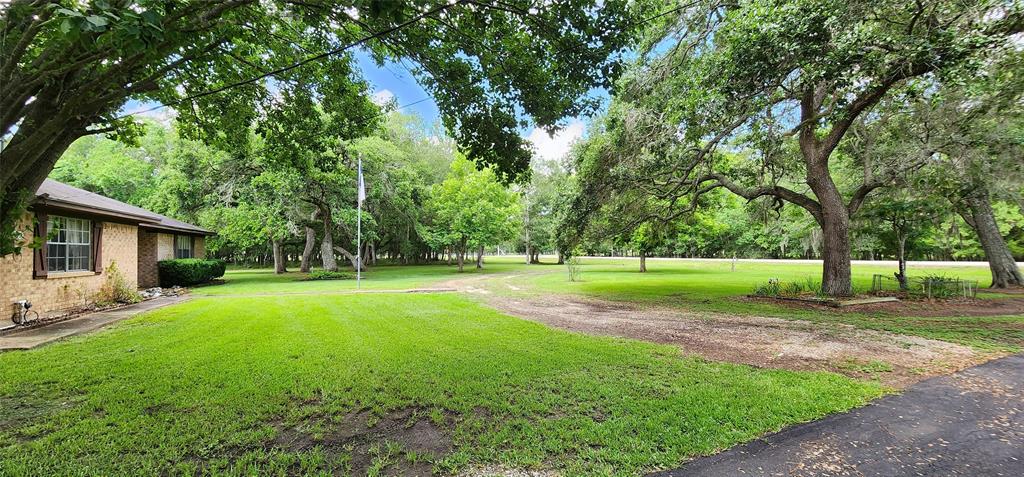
x,y
69,68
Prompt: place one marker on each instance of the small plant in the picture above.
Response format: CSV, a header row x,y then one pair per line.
x,y
938,286
329,275
116,288
772,288
813,286
573,266
793,288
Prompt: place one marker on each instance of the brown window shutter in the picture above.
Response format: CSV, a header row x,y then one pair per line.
x,y
97,246
192,247
39,255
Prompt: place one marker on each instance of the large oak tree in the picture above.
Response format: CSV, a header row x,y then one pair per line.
x,y
787,79
68,68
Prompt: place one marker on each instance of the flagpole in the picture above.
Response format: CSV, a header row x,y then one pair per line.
x,y
359,225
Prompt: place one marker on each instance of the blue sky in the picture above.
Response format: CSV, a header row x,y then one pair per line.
x,y
396,81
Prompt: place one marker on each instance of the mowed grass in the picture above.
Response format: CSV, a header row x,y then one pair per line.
x,y
242,281
695,285
620,279
713,286
210,386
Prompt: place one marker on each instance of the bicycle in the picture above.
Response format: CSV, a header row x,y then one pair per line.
x,y
26,314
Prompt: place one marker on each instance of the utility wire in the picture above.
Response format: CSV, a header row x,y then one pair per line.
x,y
350,45
303,62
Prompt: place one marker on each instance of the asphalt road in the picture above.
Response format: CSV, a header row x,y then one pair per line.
x,y
970,423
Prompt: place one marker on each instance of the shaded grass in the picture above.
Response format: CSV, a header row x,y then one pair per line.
x,y
197,387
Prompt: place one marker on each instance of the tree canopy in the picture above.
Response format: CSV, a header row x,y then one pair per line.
x,y
70,67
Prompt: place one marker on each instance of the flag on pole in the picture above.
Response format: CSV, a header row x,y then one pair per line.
x,y
359,224
362,185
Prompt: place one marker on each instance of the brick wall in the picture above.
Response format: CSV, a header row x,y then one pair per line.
x,y
148,272
165,247
200,250
62,292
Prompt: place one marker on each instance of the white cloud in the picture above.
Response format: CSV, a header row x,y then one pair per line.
x,y
383,97
553,148
163,115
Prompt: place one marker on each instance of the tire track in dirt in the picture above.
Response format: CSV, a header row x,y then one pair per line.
x,y
896,360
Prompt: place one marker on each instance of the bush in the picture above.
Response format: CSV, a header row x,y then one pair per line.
x,y
189,271
772,288
116,288
328,275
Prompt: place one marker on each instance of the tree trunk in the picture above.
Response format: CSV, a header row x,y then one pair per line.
x,y
901,257
643,261
352,258
835,253
834,219
327,244
480,257
462,254
279,257
307,251
1005,272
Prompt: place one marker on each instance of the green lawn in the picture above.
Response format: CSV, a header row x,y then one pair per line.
x,y
693,285
619,279
386,277
715,287
266,385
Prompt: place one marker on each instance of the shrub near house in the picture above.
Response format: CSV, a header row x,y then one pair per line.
x,y
189,271
71,239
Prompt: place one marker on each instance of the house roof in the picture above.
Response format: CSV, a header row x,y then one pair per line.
x,y
59,195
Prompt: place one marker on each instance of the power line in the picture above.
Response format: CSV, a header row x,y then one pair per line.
x,y
305,61
352,44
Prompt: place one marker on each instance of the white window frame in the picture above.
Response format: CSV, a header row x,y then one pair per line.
x,y
68,232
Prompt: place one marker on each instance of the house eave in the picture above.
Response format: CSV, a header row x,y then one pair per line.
x,y
166,228
48,204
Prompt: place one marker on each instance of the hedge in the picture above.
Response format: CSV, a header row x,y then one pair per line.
x,y
189,271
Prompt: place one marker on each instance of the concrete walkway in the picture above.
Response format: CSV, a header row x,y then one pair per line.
x,y
970,423
30,338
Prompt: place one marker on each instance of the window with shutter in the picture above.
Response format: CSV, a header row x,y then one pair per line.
x,y
70,247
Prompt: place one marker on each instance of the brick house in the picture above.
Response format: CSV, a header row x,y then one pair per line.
x,y
88,232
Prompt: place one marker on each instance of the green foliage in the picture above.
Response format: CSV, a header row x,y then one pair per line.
x,y
116,288
490,69
329,275
471,208
776,288
771,288
574,265
189,271
939,286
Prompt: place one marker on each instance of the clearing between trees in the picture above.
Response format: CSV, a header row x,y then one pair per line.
x,y
896,360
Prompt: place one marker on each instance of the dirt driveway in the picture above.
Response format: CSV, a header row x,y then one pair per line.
x,y
896,360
